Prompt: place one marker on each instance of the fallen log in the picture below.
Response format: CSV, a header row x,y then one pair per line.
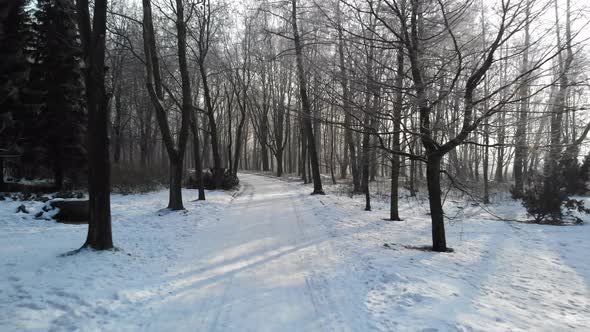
x,y
71,212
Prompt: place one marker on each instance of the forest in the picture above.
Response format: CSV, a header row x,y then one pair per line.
x,y
390,113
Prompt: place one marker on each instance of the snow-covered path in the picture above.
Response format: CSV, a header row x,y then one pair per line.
x,y
273,258
256,270
254,261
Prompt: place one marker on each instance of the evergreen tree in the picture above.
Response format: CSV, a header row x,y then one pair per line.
x,y
13,63
584,175
14,72
56,71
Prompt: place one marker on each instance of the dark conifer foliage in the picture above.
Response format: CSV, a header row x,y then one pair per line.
x,y
56,72
13,64
14,70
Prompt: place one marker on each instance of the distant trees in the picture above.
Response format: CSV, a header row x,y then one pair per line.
x,y
563,176
433,82
427,94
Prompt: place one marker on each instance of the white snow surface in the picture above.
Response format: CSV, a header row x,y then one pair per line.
x,y
273,258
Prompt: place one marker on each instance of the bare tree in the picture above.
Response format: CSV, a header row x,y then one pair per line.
x,y
305,105
156,91
92,35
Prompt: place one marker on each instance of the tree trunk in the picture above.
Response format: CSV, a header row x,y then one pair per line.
x,y
238,147
303,155
486,185
155,90
520,150
117,127
397,119
486,126
1,174
99,185
211,118
412,183
58,176
279,158
264,141
175,197
197,156
394,203
349,147
315,166
559,106
366,163
436,211
499,177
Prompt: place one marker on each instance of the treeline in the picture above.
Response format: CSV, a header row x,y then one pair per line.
x,y
471,94
44,122
53,100
466,93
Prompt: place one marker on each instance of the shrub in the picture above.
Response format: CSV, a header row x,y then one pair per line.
x,y
548,202
571,172
127,179
584,175
228,180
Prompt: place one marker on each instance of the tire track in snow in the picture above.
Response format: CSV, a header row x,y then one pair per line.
x,y
316,281
246,191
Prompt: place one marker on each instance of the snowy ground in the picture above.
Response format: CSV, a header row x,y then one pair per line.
x,y
273,258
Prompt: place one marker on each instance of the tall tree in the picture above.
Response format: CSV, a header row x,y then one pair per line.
x,y
350,148
202,34
416,44
520,151
397,120
61,122
305,104
155,88
14,73
553,176
92,36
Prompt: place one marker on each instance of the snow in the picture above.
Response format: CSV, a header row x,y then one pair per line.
x,y
272,257
30,182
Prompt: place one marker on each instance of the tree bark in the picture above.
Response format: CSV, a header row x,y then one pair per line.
x,y
175,192
197,156
397,119
439,242
306,116
99,185
520,151
303,155
239,138
155,89
349,147
211,117
559,104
